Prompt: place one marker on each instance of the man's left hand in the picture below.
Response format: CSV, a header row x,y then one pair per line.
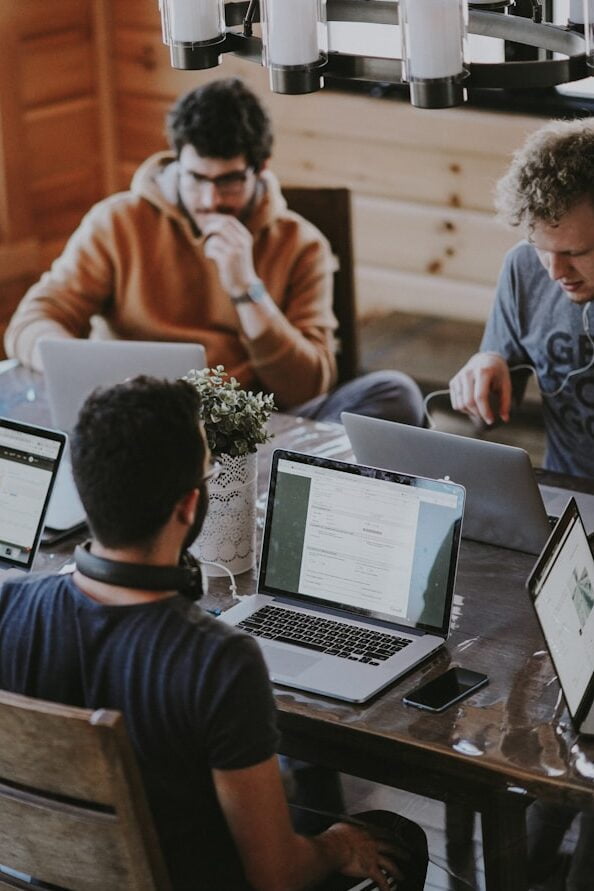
x,y
230,245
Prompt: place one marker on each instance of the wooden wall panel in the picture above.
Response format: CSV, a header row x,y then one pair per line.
x,y
56,66
385,288
141,126
453,243
61,203
53,145
37,17
50,152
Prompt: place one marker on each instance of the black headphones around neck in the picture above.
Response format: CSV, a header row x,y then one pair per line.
x,y
185,578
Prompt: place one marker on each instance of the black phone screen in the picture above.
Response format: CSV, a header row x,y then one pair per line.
x,y
446,689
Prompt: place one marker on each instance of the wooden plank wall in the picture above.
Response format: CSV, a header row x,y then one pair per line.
x,y
83,94
52,149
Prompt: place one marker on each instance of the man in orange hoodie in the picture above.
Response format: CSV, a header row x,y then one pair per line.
x,y
202,248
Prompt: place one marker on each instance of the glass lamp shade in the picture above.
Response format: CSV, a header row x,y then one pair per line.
x,y
579,9
587,18
433,38
294,44
193,30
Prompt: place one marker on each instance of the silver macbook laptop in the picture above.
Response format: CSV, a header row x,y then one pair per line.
x,y
29,461
504,505
356,574
74,368
562,589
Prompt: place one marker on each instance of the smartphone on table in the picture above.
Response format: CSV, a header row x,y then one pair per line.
x,y
445,690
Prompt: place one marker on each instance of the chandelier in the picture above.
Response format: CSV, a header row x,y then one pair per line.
x,y
430,44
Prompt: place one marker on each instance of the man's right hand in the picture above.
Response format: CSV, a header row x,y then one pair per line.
x,y
482,388
365,854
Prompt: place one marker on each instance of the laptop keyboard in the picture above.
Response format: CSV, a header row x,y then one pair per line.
x,y
323,635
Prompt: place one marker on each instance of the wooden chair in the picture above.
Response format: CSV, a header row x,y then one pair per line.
x,y
73,811
330,210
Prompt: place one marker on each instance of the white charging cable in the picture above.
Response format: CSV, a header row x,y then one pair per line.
x,y
232,582
549,394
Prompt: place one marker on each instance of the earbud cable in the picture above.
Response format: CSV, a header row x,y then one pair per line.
x,y
547,394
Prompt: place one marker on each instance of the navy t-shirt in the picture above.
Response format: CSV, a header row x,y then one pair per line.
x,y
194,692
534,322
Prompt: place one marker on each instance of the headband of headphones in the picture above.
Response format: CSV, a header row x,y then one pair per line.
x,y
185,578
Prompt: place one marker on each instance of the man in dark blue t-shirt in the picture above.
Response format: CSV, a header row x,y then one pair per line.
x,y
194,692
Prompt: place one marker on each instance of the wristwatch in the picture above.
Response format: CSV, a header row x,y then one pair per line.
x,y
255,293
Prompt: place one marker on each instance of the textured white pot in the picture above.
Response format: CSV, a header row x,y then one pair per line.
x,y
229,532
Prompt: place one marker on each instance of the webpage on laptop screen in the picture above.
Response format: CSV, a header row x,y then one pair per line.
x,y
356,541
564,602
26,466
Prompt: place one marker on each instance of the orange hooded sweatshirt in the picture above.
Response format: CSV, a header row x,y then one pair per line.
x,y
136,261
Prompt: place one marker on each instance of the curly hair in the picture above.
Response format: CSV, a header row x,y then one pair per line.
x,y
222,119
137,448
551,173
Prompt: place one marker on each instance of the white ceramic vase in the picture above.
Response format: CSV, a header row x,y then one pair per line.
x,y
229,532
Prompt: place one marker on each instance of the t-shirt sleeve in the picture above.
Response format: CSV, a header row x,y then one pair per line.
x,y
240,718
503,329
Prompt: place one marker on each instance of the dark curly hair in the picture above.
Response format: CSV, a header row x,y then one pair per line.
x,y
222,119
551,173
137,448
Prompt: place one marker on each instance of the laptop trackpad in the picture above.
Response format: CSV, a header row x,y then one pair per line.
x,y
283,662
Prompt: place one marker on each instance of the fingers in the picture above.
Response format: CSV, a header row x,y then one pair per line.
x,y
385,868
229,244
482,388
484,402
372,855
505,397
228,228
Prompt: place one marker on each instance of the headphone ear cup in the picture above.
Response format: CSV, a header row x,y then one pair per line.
x,y
197,585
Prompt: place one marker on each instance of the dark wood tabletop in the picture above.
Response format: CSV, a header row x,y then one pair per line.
x,y
511,742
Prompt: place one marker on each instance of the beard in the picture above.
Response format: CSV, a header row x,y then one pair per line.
x,y
194,530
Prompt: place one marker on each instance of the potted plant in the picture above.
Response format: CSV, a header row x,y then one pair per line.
x,y
235,424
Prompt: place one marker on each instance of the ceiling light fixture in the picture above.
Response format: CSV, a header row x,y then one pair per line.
x,y
430,56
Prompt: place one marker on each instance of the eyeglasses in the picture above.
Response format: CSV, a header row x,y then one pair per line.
x,y
226,183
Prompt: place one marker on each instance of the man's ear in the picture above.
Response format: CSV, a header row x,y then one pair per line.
x,y
187,506
264,165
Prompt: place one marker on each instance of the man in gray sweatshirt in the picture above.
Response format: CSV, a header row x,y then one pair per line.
x,y
541,317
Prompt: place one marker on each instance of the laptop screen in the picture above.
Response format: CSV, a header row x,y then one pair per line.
x,y
29,460
369,541
561,585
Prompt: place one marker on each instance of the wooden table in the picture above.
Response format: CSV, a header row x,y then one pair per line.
x,y
511,742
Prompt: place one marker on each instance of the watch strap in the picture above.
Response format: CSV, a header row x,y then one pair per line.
x,y
254,293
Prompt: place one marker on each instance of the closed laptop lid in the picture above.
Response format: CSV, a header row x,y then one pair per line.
x,y
503,502
562,589
29,461
73,368
370,542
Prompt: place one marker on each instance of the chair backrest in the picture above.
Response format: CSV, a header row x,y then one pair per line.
x,y
330,210
72,806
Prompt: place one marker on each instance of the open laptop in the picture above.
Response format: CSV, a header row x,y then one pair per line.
x,y
356,574
561,586
29,461
504,504
74,368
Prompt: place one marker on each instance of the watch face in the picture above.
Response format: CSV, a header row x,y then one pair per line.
x,y
256,291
